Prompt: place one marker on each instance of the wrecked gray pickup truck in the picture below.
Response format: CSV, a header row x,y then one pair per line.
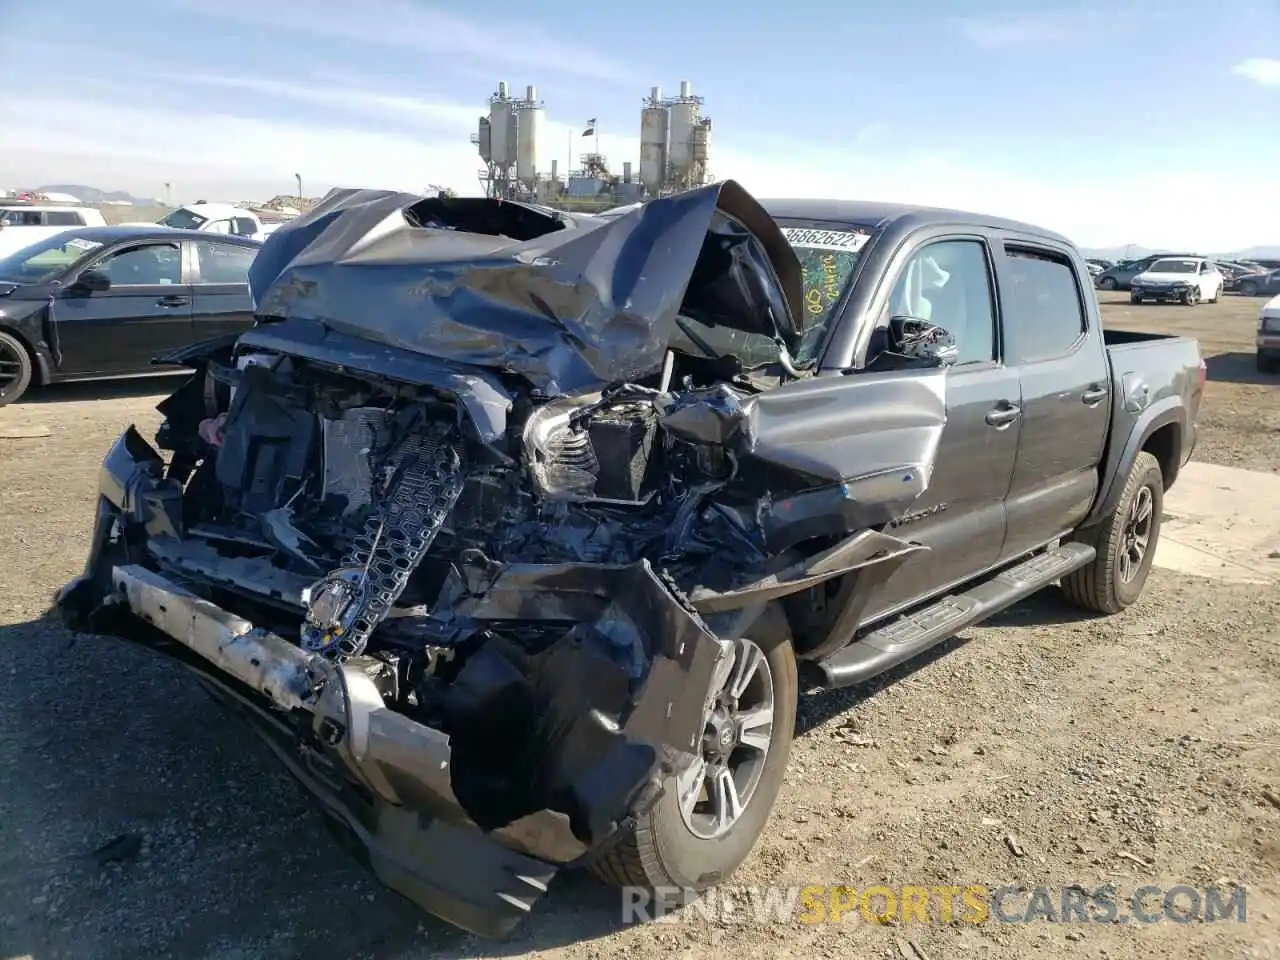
x,y
515,533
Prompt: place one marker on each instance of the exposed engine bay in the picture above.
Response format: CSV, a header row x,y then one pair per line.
x,y
477,508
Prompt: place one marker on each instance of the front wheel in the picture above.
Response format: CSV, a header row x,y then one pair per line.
x,y
1191,297
1107,283
709,818
1134,298
16,368
1126,541
1248,288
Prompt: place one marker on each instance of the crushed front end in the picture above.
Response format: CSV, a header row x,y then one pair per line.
x,y
473,587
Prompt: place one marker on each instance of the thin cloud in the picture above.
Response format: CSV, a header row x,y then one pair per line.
x,y
431,32
238,156
1263,70
1028,29
428,109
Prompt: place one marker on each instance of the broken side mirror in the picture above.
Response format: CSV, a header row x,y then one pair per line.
x,y
922,341
91,281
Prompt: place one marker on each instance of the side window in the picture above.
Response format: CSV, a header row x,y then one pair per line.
x,y
948,283
243,227
224,262
150,265
1044,311
23,218
220,226
64,218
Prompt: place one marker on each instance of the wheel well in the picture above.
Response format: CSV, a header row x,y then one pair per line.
x,y
37,368
1164,444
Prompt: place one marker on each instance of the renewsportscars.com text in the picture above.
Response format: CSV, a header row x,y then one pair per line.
x,y
970,904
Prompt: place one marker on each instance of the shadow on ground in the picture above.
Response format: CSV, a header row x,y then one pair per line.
x,y
106,742
1238,368
93,390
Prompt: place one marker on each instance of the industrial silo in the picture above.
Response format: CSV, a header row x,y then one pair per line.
x,y
528,116
684,113
502,121
484,141
653,143
700,152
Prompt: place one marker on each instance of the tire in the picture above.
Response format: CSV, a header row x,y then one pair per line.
x,y
664,854
16,368
1102,586
1248,288
1134,299
1268,364
1107,283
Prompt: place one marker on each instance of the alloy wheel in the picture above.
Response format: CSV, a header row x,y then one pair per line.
x,y
737,731
1137,534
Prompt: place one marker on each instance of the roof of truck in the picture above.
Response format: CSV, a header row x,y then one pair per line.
x,y
876,212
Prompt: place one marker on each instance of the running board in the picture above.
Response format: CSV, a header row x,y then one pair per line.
x,y
914,633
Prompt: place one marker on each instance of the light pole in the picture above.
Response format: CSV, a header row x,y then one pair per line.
x,y
298,177
168,194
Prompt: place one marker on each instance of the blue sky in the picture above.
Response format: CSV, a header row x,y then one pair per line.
x,y
1147,122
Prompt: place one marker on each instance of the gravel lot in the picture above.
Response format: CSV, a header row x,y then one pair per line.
x,y
1043,748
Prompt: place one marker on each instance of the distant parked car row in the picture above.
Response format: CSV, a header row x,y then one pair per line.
x,y
1250,278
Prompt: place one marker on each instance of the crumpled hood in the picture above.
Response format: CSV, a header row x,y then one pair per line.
x,y
569,302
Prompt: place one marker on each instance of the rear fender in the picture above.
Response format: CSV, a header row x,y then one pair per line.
x,y
1170,410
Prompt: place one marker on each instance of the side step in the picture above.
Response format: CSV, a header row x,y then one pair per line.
x,y
912,634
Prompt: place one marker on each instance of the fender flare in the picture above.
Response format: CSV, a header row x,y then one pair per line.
x,y
44,367
1169,410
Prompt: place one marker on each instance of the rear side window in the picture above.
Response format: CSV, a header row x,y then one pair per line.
x,y
21,218
1043,308
224,262
244,227
64,218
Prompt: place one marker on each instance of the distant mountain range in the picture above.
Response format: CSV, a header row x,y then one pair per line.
x,y
92,194
1136,251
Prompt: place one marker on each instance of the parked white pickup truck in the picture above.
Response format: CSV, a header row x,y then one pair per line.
x,y
1188,280
218,218
22,223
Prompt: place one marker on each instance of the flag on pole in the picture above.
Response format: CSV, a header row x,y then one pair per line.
x,y
591,127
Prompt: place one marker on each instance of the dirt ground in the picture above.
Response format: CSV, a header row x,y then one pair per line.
x,y
1044,749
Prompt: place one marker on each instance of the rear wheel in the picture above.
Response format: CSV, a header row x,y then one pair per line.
x,y
708,820
16,368
1126,542
1248,288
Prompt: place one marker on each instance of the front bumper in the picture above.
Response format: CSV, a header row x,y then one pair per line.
x,y
391,783
1159,293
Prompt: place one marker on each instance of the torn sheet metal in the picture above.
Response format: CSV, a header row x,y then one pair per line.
x,y
568,303
860,550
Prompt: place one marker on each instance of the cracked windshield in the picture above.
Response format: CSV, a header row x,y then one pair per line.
x,y
501,482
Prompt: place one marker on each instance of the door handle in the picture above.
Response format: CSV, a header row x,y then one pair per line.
x,y
173,301
1094,395
1003,415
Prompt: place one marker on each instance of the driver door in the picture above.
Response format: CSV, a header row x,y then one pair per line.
x,y
146,310
961,515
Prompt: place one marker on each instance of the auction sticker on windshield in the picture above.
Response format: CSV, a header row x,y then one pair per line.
x,y
850,240
78,243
